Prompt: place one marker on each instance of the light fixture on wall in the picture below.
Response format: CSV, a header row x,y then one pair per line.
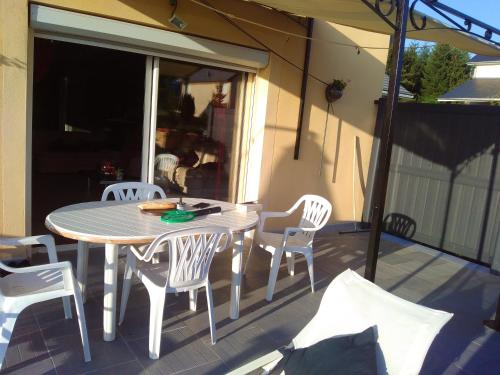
x,y
175,19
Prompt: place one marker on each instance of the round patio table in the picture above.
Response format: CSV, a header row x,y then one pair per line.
x,y
115,223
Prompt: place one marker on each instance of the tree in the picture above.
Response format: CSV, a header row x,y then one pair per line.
x,y
412,71
445,68
218,97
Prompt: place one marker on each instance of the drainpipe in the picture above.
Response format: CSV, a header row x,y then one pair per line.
x,y
305,75
386,137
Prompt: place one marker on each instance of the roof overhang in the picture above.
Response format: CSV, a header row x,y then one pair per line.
x,y
356,14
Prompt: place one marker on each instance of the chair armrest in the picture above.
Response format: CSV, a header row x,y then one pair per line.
x,y
46,240
290,231
264,215
257,363
43,267
138,253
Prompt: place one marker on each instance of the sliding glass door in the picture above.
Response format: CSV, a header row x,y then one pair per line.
x,y
103,115
196,118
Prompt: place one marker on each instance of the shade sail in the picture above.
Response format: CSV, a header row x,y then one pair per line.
x,y
356,14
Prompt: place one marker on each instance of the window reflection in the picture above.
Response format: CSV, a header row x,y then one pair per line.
x,y
196,119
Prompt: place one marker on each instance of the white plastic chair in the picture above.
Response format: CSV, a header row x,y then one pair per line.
x,y
352,304
190,255
166,164
317,211
132,191
28,285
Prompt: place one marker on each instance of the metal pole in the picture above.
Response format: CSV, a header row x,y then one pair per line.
x,y
384,159
305,76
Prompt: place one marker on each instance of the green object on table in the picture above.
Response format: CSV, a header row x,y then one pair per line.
x,y
177,216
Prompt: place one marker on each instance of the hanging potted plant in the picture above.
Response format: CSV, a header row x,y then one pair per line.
x,y
335,90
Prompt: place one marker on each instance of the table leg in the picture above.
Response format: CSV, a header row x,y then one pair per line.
x,y
236,268
81,267
110,281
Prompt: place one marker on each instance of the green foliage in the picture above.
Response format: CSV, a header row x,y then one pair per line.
x,y
429,72
339,84
412,72
445,69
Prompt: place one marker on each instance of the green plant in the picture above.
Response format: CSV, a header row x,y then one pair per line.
x,y
339,84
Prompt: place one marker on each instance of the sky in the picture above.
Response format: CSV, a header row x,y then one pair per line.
x,y
487,11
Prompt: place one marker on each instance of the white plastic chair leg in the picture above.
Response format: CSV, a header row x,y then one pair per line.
x,y
310,268
290,262
8,320
252,234
157,302
193,299
81,267
248,258
273,274
67,308
127,283
211,317
80,313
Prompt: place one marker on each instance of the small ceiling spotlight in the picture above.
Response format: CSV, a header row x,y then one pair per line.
x,y
175,19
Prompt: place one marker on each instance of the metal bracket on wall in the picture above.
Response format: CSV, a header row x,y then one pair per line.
x,y
385,8
383,11
448,13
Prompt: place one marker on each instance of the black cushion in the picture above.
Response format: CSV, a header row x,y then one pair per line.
x,y
342,355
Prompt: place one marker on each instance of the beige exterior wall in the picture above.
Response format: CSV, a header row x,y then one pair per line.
x,y
353,116
13,103
270,173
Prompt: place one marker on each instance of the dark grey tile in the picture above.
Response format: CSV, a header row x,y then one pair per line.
x,y
28,355
243,346
180,350
463,347
214,368
127,368
25,324
53,324
67,353
136,322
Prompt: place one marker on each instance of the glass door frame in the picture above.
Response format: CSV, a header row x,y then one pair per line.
x,y
150,121
150,112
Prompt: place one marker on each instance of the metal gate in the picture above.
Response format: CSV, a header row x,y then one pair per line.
x,y
444,183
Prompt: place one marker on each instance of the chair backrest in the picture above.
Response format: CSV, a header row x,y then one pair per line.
x,y
133,191
166,163
405,330
400,225
190,253
317,211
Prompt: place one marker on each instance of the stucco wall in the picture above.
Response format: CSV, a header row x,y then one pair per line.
x,y
13,86
352,116
271,174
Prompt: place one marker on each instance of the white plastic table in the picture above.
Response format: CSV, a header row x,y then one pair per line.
x,y
115,223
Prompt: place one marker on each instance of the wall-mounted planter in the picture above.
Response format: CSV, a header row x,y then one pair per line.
x,y
335,90
332,94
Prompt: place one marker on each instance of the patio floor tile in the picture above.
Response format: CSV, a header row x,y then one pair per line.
x,y
27,354
67,353
180,350
419,274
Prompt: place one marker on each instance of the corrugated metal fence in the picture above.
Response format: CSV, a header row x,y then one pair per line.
x,y
444,184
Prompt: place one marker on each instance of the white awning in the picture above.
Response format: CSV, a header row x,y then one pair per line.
x,y
356,14
88,29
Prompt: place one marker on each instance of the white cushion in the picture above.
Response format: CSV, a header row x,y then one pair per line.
x,y
405,330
